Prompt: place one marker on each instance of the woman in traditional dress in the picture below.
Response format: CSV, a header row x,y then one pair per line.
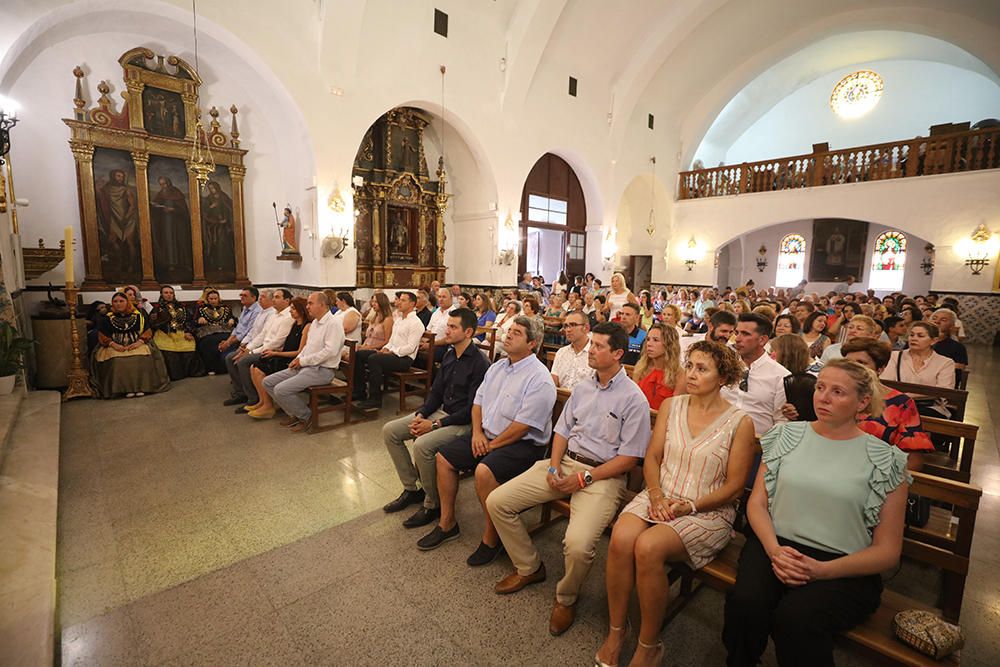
x,y
272,361
215,323
827,517
174,336
126,362
696,467
658,371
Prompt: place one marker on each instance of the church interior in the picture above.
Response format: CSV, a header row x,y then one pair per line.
x,y
180,485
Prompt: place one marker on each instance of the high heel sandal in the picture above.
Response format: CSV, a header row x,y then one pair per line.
x,y
658,647
624,630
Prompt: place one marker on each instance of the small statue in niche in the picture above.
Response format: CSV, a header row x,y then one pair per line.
x,y
286,230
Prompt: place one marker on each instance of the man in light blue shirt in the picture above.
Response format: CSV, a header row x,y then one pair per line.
x,y
248,314
602,434
511,427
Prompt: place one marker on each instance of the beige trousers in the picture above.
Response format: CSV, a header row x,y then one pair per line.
x,y
592,509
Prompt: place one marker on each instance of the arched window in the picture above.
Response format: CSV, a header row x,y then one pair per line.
x,y
791,261
888,261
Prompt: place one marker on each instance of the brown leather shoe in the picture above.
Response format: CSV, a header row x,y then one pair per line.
x,y
303,426
562,617
514,582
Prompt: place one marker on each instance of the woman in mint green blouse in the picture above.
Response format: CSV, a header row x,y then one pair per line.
x,y
827,516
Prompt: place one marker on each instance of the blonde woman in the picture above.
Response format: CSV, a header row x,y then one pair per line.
x,y
618,296
827,517
658,371
672,316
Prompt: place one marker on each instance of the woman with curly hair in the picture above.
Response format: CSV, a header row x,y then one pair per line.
x,y
696,466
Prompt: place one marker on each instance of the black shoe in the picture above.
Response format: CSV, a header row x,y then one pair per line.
x,y
422,517
235,400
334,400
371,404
484,555
406,498
437,537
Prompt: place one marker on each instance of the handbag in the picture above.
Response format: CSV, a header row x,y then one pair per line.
x,y
927,633
918,510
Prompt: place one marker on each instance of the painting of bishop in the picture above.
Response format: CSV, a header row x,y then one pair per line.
x,y
217,228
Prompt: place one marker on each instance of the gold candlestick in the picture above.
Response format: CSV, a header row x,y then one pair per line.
x,y
78,385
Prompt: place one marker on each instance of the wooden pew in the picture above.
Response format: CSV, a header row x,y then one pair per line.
x,y
489,344
416,377
956,463
335,388
875,635
956,398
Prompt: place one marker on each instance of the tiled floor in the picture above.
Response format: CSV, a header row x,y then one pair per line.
x,y
189,535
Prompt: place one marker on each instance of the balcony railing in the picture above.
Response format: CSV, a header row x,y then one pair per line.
x,y
941,154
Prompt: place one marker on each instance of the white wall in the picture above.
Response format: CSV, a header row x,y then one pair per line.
x,y
940,209
914,280
917,94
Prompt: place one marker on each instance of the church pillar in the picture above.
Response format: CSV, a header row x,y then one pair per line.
x,y
236,173
197,252
83,155
141,161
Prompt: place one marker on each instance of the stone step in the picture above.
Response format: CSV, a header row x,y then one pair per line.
x,y
9,407
29,483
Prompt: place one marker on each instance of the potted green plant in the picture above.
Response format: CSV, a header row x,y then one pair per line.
x,y
12,351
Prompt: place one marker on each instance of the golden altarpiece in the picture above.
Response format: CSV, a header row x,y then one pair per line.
x,y
161,195
399,230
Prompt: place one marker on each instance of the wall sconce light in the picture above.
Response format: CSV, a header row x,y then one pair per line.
x,y
610,247
8,119
335,202
927,264
691,254
507,240
762,258
978,249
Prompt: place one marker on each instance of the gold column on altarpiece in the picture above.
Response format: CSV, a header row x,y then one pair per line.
x,y
236,174
141,161
83,155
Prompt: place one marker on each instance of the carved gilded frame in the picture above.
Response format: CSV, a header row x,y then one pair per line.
x,y
103,127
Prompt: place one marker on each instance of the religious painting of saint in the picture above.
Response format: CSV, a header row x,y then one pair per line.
x,y
217,225
838,250
170,220
399,229
163,112
117,215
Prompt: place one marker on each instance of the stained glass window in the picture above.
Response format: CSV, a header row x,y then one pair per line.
x,y
791,261
856,94
888,261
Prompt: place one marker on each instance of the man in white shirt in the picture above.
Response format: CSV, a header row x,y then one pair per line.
x,y
396,355
572,362
721,326
313,367
438,324
237,395
270,337
761,391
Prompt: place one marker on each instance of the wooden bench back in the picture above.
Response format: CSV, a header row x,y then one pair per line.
x,y
955,397
960,437
489,344
952,559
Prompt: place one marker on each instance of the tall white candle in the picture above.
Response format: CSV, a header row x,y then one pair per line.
x,y
68,249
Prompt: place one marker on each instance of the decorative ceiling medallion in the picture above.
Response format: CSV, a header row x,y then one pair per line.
x,y
856,94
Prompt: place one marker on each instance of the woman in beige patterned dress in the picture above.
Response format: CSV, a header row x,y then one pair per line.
x,y
696,467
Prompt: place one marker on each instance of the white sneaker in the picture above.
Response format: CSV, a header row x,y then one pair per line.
x,y
211,372
130,395
139,393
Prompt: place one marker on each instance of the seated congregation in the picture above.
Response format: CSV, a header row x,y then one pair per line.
x,y
678,421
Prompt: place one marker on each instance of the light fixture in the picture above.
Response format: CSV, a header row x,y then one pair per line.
x,y
928,262
507,240
651,223
762,258
8,119
610,246
202,162
856,94
979,248
691,254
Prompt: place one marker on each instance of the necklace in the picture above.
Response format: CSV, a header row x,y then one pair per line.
x,y
124,322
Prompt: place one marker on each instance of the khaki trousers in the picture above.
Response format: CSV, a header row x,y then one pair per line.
x,y
592,509
397,432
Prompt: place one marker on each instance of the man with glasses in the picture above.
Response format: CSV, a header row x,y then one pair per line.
x,y
571,363
761,390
